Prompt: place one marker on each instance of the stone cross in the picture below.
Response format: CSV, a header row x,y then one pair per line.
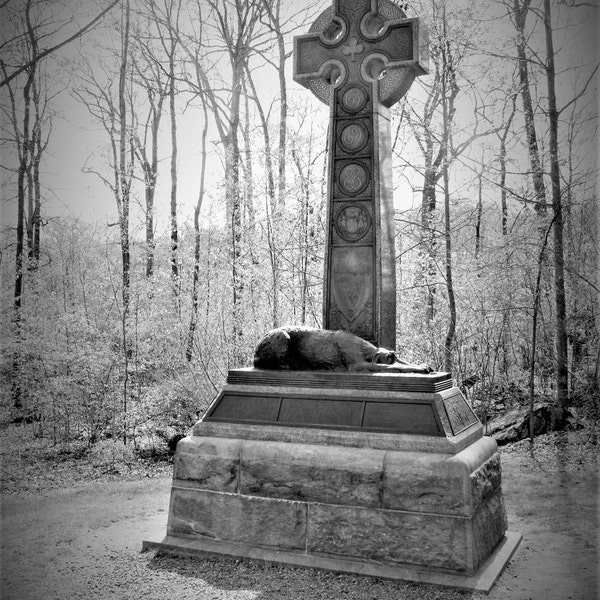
x,y
360,57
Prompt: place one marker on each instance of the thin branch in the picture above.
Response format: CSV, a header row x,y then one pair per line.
x,y
575,98
48,51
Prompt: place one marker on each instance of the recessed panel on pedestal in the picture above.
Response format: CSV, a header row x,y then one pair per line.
x,y
408,418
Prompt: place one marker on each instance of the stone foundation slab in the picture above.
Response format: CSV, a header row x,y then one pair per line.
x,y
482,580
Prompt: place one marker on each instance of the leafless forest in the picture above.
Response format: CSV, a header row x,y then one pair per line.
x,y
123,328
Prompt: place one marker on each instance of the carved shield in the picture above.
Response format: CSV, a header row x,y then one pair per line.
x,y
351,281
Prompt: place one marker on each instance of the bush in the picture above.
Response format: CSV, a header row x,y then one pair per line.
x,y
152,447
111,454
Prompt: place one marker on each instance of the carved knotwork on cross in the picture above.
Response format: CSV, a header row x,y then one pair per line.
x,y
360,57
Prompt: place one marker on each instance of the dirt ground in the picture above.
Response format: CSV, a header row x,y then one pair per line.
x,y
84,541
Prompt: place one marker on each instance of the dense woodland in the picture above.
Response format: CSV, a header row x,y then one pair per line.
x,y
124,329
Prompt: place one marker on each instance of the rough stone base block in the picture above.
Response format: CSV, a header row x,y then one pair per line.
x,y
398,512
423,505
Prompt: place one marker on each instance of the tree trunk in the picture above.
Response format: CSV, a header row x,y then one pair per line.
x,y
449,282
272,9
562,383
479,213
123,201
16,391
151,174
503,203
502,159
149,192
30,138
304,234
534,320
429,239
271,204
282,118
154,88
447,73
30,203
38,150
520,13
233,201
174,230
249,212
189,351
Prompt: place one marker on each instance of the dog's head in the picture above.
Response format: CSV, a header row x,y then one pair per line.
x,y
272,350
383,356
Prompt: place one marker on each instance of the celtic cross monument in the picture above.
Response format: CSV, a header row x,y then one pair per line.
x,y
385,474
360,57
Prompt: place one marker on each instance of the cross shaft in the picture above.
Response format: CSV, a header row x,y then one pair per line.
x,y
360,57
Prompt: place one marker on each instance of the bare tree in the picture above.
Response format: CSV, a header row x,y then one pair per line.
x,y
233,24
41,131
189,350
552,112
432,125
520,9
32,62
271,204
449,92
151,76
433,140
502,157
113,110
280,26
562,377
25,114
306,162
165,16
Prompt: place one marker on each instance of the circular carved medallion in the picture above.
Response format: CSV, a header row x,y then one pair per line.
x,y
354,137
353,178
354,99
352,223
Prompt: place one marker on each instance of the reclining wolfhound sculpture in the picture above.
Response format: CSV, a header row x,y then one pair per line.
x,y
307,348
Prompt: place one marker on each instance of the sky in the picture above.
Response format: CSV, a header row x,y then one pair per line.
x,y
77,141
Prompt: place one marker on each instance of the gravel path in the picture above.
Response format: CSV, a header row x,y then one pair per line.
x,y
84,542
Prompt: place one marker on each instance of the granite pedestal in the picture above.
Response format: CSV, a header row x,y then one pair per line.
x,y
386,475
